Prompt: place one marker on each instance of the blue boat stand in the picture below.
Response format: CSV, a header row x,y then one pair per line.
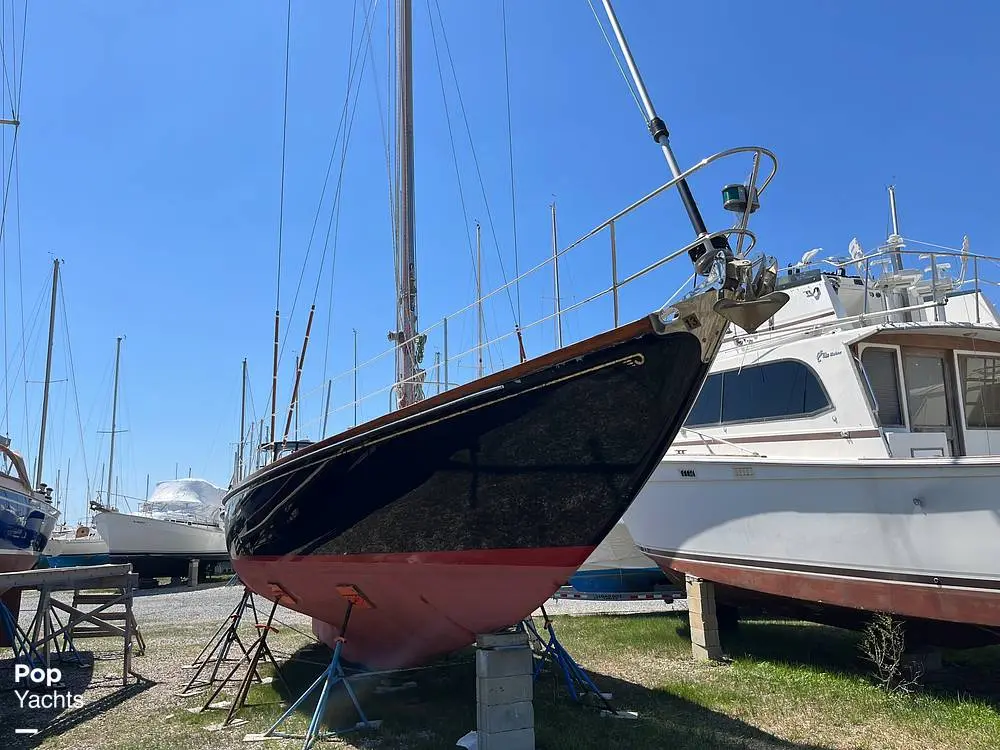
x,y
332,675
578,682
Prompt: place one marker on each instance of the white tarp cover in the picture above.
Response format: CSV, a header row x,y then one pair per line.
x,y
618,550
185,500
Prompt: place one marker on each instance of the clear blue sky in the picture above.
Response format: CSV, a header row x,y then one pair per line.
x,y
150,153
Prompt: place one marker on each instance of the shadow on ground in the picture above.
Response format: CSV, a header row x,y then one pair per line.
x,y
442,708
59,716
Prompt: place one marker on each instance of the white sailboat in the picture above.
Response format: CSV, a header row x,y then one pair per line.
x,y
177,523
844,458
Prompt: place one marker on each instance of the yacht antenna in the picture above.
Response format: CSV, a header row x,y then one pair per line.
x,y
895,241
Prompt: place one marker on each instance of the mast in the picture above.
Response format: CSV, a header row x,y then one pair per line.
x,y
479,296
243,422
555,278
409,350
355,377
658,129
114,417
48,374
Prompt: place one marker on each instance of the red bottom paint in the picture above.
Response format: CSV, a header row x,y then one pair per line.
x,y
423,605
13,562
976,606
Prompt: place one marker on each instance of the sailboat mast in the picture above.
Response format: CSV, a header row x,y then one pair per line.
x,y
408,354
48,374
479,297
555,278
243,422
114,417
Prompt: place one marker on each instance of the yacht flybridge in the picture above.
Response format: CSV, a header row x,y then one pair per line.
x,y
847,452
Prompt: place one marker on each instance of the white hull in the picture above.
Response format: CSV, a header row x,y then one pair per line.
x,y
915,537
69,545
128,534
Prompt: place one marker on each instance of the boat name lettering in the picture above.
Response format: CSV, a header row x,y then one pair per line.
x,y
821,355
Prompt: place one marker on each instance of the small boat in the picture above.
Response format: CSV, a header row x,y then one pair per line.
x,y
27,516
844,459
460,513
68,548
617,566
178,523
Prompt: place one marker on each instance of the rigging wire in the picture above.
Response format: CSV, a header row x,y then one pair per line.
x,y
329,308
454,150
334,222
76,396
478,283
618,62
284,140
9,364
510,156
346,121
475,158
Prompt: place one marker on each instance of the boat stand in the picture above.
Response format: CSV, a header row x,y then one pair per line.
x,y
216,651
258,650
24,650
48,635
578,682
332,675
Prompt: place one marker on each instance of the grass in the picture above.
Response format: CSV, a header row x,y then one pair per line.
x,y
787,686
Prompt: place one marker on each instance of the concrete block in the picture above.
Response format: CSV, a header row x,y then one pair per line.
x,y
193,572
498,690
702,602
505,639
505,717
516,739
504,663
702,653
705,636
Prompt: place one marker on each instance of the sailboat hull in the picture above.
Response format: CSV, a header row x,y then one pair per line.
x,y
464,513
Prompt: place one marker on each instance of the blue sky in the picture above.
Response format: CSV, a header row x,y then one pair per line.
x,y
150,154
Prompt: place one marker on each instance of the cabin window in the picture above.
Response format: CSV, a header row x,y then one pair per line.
x,y
981,390
883,376
774,390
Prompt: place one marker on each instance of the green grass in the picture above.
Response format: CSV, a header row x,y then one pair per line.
x,y
786,686
789,686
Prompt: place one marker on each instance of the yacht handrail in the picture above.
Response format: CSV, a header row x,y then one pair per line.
x,y
763,337
716,439
436,337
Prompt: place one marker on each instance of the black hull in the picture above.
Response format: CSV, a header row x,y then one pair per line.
x,y
547,454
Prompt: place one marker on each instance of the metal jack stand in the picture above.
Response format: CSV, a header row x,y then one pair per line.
x,y
216,651
20,643
577,681
258,650
330,677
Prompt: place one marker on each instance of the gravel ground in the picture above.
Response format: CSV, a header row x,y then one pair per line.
x,y
176,622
